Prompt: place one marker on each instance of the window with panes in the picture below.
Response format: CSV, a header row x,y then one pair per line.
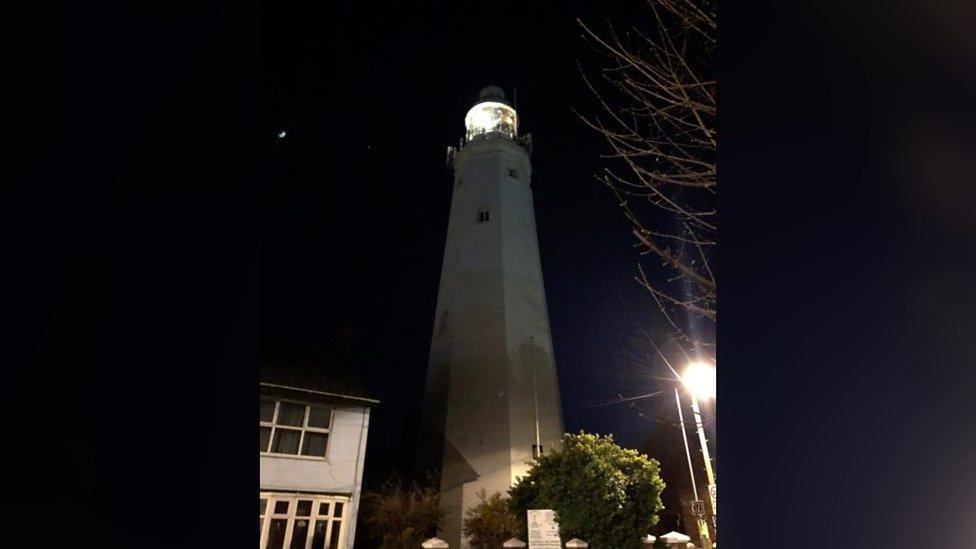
x,y
302,521
294,428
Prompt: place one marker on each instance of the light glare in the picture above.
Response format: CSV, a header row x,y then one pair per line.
x,y
699,378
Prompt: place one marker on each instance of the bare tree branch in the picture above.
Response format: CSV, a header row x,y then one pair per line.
x,y
656,95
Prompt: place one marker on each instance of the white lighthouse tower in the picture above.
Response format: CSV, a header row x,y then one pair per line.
x,y
492,397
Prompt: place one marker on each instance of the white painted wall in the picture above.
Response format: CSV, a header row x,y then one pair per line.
x,y
340,473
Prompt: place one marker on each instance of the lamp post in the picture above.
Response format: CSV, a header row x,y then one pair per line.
x,y
699,379
702,526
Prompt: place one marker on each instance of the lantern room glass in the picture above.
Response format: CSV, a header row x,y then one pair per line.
x,y
491,116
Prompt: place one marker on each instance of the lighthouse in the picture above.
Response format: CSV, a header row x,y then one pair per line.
x,y
491,397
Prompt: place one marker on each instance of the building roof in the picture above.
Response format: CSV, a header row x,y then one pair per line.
x,y
331,366
277,388
334,381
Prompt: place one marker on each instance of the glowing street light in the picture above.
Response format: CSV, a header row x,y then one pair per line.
x,y
699,379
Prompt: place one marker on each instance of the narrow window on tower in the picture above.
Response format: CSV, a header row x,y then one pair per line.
x,y
483,216
512,173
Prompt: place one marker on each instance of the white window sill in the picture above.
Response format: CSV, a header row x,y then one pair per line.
x,y
294,456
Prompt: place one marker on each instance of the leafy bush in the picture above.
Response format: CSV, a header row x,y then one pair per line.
x,y
602,493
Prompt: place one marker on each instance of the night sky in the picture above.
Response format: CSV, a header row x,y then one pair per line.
x,y
356,198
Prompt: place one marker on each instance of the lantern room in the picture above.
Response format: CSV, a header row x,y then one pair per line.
x,y
491,113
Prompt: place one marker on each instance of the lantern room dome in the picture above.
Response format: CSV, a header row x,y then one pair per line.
x,y
492,93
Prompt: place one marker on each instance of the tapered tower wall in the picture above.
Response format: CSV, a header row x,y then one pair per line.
x,y
491,385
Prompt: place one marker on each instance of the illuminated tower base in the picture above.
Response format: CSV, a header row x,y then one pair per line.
x,y
492,397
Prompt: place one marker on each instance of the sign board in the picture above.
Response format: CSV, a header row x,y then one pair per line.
x,y
543,529
698,508
711,494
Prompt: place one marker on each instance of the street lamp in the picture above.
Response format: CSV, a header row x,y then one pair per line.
x,y
699,379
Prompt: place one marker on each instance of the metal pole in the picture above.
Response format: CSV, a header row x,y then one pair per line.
x,y
702,526
704,446
537,448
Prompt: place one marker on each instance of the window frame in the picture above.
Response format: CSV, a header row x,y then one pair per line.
x,y
291,516
304,428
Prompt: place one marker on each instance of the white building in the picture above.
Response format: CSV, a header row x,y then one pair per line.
x,y
312,450
492,397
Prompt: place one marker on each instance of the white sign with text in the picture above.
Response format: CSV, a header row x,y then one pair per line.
x,y
543,529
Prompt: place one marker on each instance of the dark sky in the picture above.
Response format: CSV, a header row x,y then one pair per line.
x,y
356,197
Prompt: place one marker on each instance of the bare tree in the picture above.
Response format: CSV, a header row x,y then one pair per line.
x,y
656,93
